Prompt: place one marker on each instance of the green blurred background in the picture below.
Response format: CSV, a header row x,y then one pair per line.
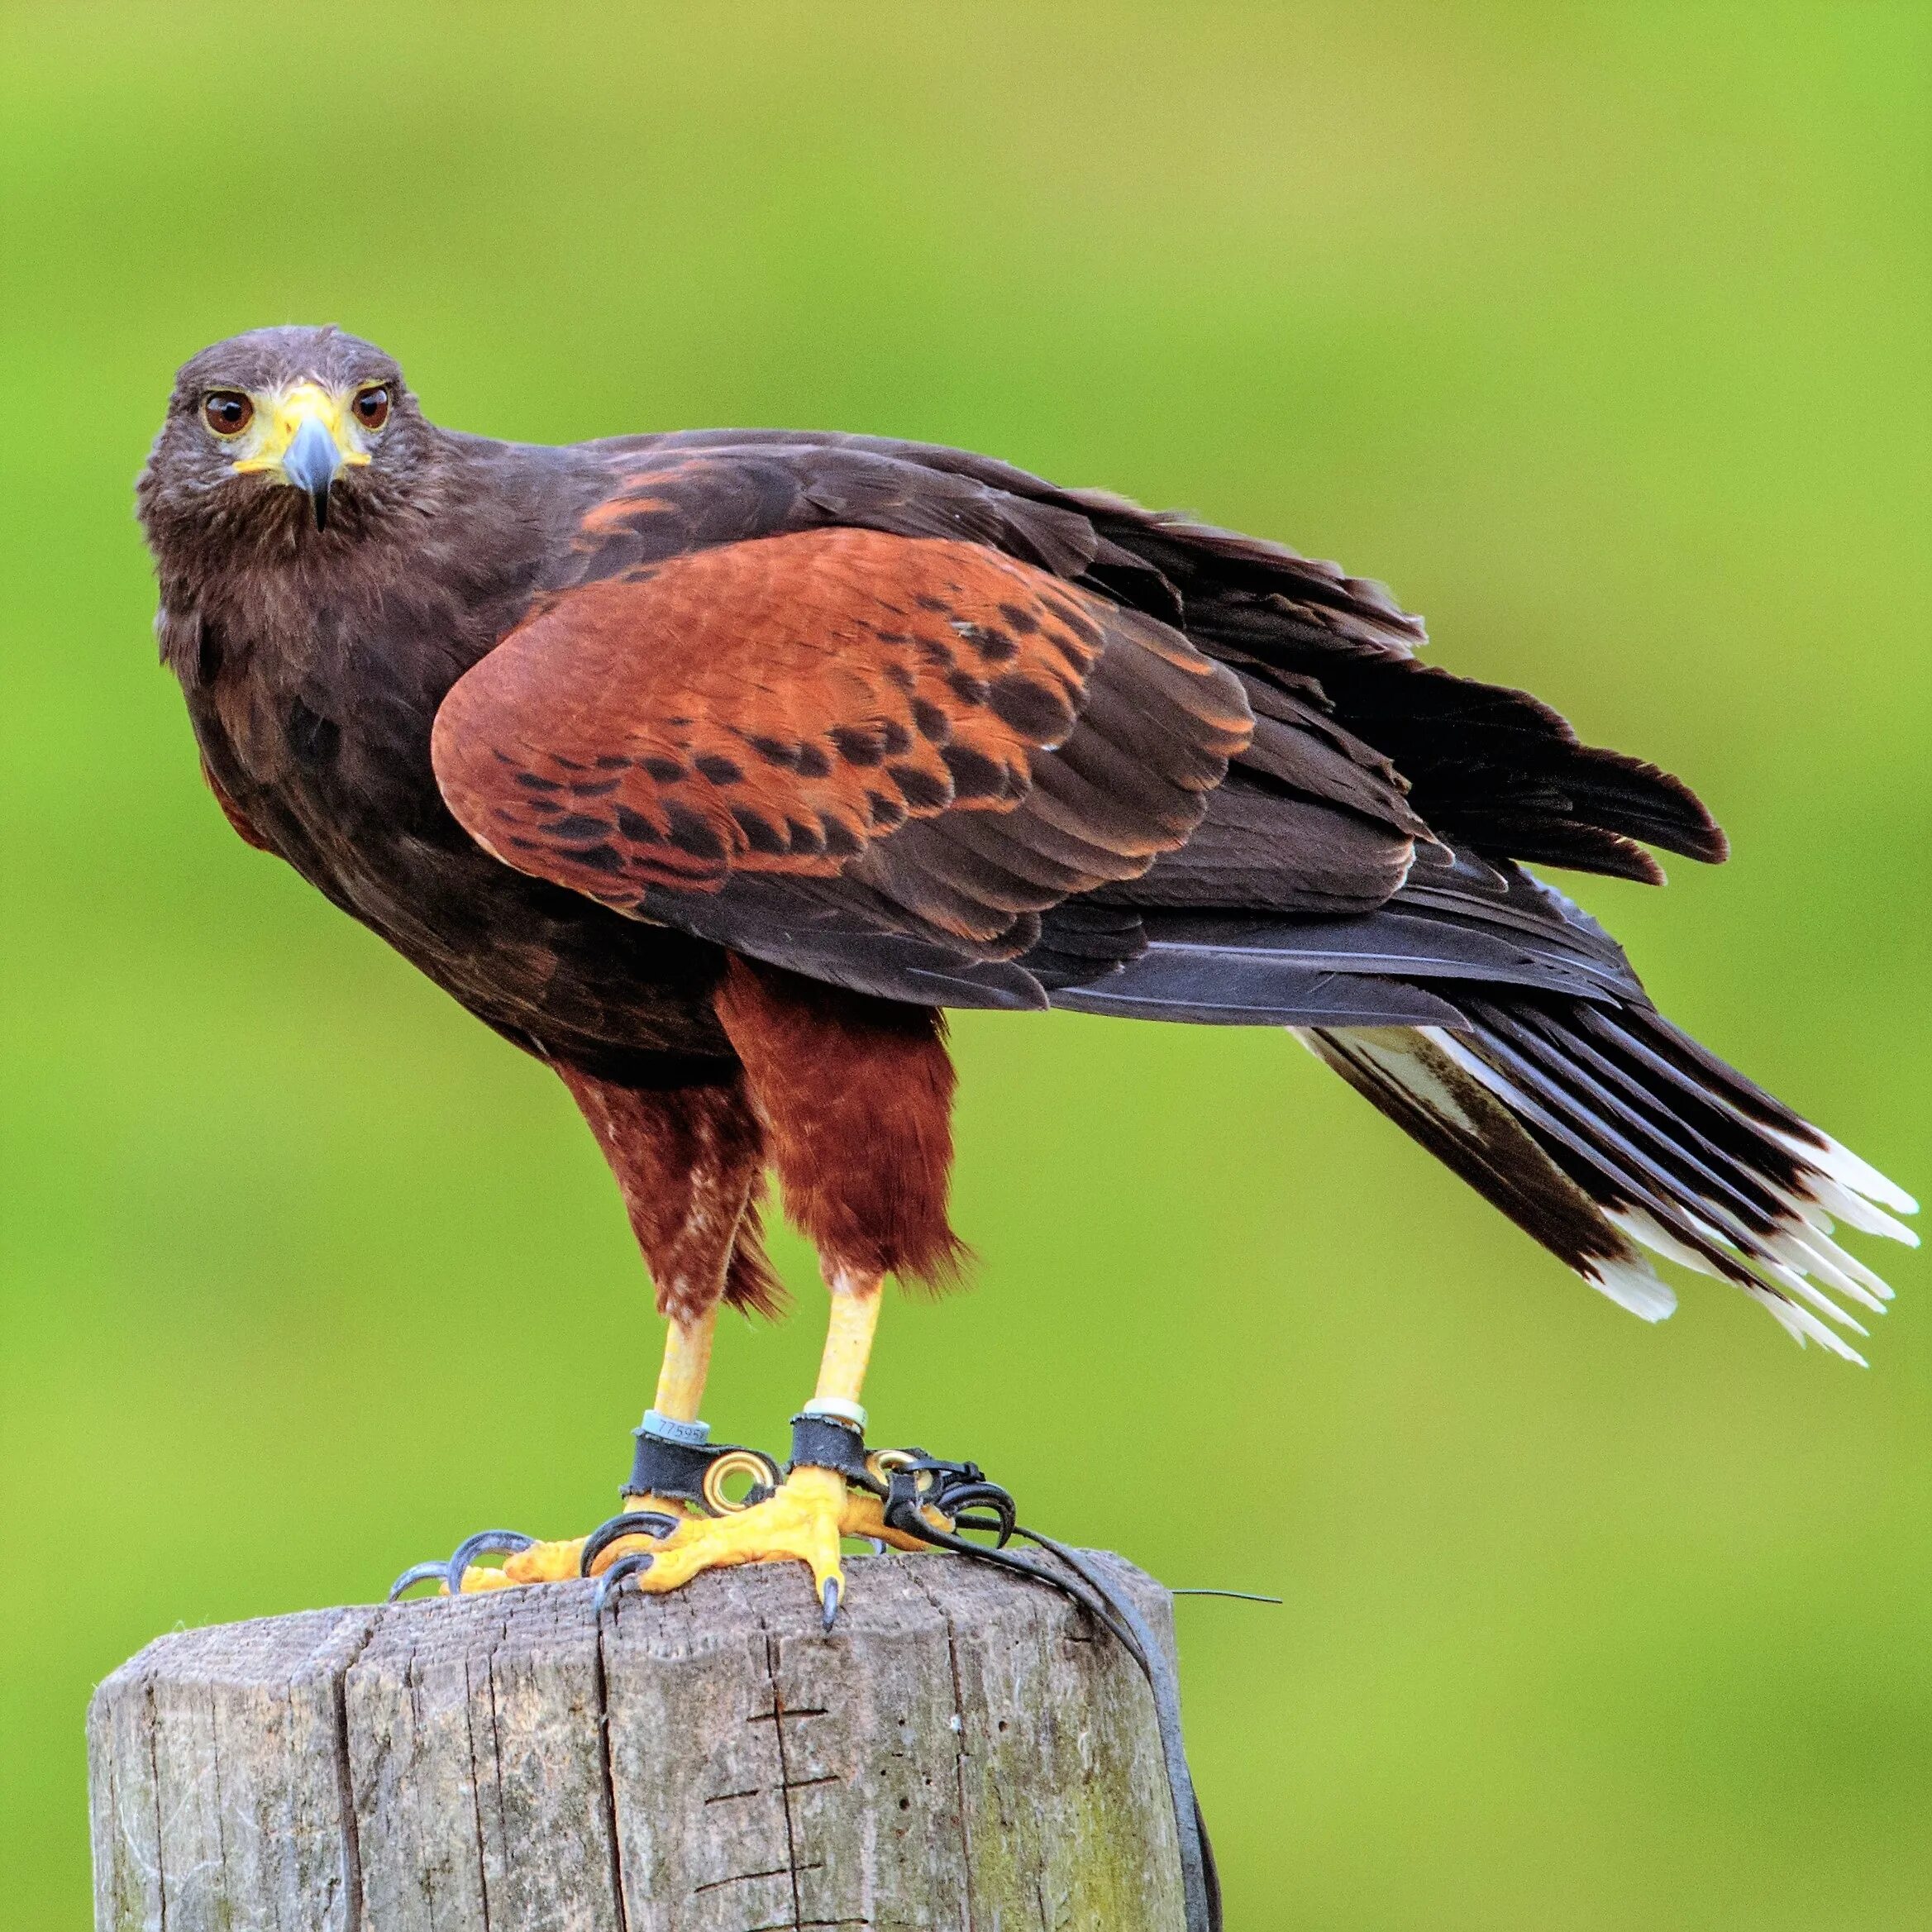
x,y
1600,332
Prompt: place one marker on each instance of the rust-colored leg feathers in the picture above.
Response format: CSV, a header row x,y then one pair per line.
x,y
850,1099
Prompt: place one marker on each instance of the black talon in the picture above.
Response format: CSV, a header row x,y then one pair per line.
x,y
417,1573
502,1542
632,1523
829,1599
613,1579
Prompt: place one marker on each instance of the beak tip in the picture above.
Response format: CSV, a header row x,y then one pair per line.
x,y
312,462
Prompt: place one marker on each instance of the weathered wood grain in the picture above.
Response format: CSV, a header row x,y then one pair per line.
x,y
965,1752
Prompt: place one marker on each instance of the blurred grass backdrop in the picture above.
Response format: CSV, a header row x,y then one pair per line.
x,y
1600,333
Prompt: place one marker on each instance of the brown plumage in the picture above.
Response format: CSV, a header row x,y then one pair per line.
x,y
784,708
855,1097
689,1162
710,767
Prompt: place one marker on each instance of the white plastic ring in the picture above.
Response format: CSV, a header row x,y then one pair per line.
x,y
839,1410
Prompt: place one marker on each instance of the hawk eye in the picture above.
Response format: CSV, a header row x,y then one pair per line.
x,y
372,407
228,411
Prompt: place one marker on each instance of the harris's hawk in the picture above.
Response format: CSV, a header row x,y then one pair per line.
x,y
712,768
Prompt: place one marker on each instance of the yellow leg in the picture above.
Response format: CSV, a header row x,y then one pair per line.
x,y
804,1521
681,1396
855,1301
813,1508
687,1360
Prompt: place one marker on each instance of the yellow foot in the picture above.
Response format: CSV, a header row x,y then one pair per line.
x,y
805,1521
542,1563
549,1562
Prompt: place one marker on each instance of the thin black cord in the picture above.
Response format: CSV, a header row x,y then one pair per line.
x,y
961,1492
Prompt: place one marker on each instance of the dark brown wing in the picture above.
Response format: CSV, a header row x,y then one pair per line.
x,y
1047,867
840,732
1491,768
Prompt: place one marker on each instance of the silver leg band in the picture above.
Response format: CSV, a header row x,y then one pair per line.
x,y
689,1435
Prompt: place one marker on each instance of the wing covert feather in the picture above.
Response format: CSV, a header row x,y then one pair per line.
x,y
876,712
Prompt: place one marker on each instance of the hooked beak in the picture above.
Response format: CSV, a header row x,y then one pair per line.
x,y
307,444
311,462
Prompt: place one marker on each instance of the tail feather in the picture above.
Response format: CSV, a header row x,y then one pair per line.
x,y
1604,1131
1412,1076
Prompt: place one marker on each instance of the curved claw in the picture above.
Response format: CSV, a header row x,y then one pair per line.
x,y
828,1601
632,1523
437,1571
613,1579
485,1542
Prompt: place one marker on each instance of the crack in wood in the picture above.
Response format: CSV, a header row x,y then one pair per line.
x,y
600,1693
804,1925
214,1773
959,1759
778,1714
746,1877
346,1782
153,1731
496,1746
475,1791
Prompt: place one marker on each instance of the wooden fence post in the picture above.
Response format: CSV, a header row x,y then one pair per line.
x,y
964,1751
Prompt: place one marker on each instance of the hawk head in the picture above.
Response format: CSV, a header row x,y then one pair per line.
x,y
285,437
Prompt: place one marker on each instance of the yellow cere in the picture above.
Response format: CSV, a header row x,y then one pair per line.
x,y
280,414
